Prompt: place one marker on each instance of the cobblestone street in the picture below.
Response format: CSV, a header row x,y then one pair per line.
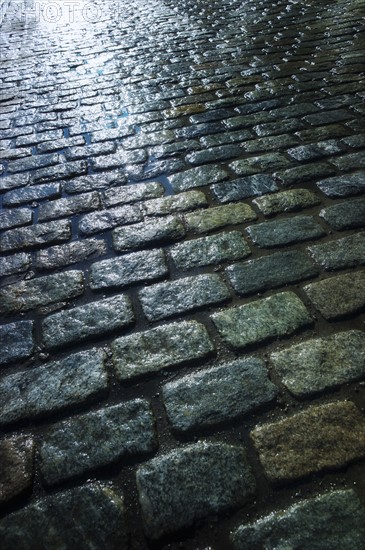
x,y
182,293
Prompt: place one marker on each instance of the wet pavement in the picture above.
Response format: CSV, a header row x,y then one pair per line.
x,y
182,297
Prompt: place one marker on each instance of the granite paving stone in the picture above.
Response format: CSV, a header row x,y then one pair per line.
x,y
343,186
159,348
328,117
211,250
132,193
141,235
166,299
265,319
84,517
130,268
86,322
345,215
286,201
350,161
328,521
321,363
93,182
36,235
223,152
17,466
95,439
77,379
242,188
338,296
62,208
217,394
186,485
95,222
226,137
32,193
16,263
61,171
197,177
180,203
32,163
16,341
306,172
70,253
322,437
14,181
15,218
341,253
264,144
203,221
271,271
314,151
26,295
292,230
261,163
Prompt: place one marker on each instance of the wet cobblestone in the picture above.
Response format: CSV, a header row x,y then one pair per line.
x,y
182,265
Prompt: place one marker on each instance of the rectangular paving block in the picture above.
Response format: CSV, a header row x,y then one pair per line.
x,y
77,379
85,322
331,520
108,219
17,466
93,182
36,236
341,253
218,394
68,207
262,163
271,271
15,218
286,201
198,481
210,219
265,319
175,203
320,438
345,215
197,177
32,193
321,363
16,341
288,231
140,235
242,188
73,518
343,186
133,193
159,348
338,296
210,250
34,293
96,439
131,268
16,263
69,253
166,299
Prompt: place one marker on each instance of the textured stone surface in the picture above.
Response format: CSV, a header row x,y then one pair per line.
x,y
85,517
179,203
262,163
203,221
166,346
271,271
86,322
346,252
95,439
142,234
16,341
321,363
343,186
287,231
265,319
346,215
71,381
217,394
95,222
166,299
16,457
321,437
132,193
330,521
15,217
131,268
16,263
40,292
67,207
197,177
286,201
242,188
338,296
69,253
36,236
32,193
179,488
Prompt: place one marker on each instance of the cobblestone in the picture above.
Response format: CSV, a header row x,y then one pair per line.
x,y
321,437
100,520
197,481
346,215
197,177
341,253
271,271
67,207
304,173
132,193
338,296
167,299
343,186
96,439
17,263
95,222
17,458
286,201
331,520
159,348
276,316
170,205
35,236
15,218
218,394
203,221
31,294
262,163
16,341
243,188
143,234
86,322
288,231
33,193
93,182
67,254
77,379
321,363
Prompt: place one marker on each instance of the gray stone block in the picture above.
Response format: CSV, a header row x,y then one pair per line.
x,y
343,186
140,235
288,231
341,253
36,236
197,177
16,341
345,215
17,465
175,203
95,222
242,188
286,201
210,219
